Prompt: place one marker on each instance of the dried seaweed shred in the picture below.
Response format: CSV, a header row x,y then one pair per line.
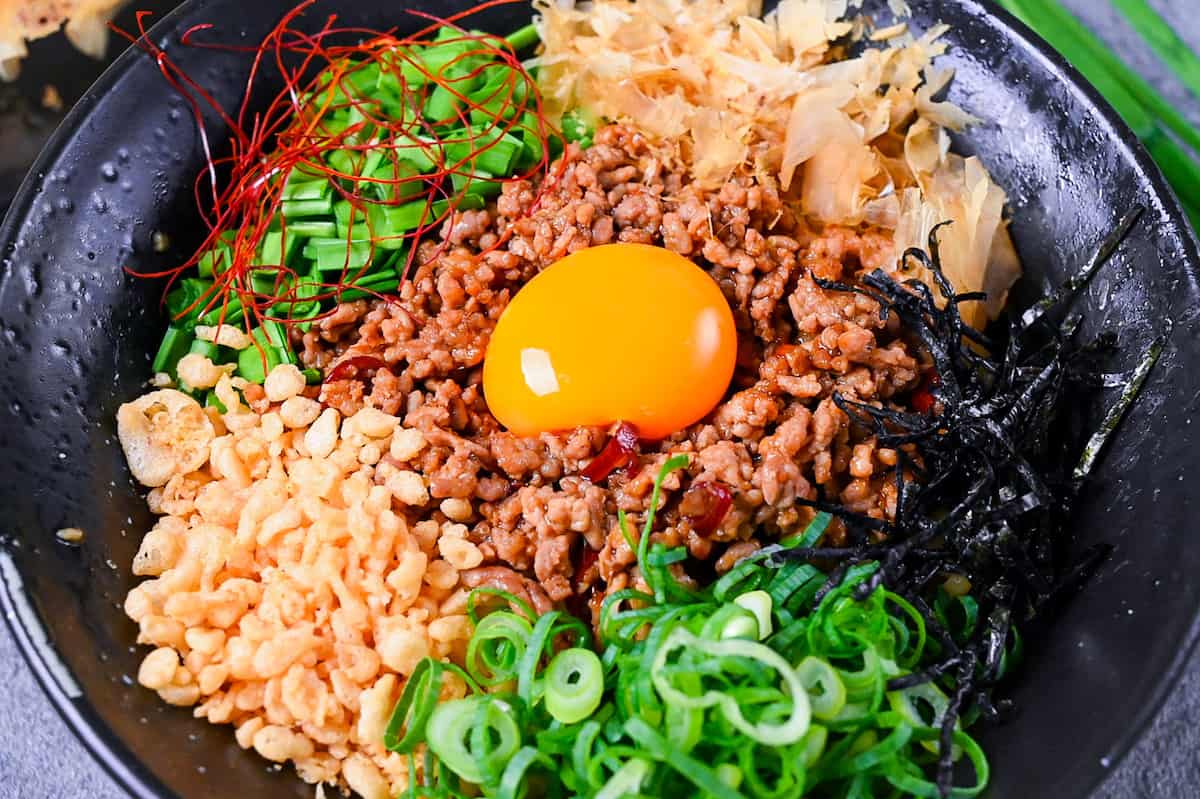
x,y
988,475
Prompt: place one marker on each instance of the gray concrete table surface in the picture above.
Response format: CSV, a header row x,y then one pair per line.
x,y
41,759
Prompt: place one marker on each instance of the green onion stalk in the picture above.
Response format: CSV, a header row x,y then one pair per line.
x,y
1172,140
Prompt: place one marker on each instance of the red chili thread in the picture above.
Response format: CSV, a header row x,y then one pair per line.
x,y
620,452
293,134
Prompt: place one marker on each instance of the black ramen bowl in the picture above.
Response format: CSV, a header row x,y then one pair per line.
x,y
77,335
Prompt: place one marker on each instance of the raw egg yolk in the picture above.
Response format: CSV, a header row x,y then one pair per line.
x,y
621,332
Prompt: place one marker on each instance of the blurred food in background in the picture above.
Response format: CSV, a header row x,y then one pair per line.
x,y
1169,136
84,22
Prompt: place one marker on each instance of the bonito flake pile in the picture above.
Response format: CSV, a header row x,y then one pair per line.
x,y
859,140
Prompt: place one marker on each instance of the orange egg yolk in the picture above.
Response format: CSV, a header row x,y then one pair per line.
x,y
621,332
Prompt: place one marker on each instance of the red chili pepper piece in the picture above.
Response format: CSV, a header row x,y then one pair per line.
x,y
706,504
922,398
354,368
587,559
620,452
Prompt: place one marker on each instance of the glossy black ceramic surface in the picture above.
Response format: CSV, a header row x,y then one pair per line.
x,y
77,334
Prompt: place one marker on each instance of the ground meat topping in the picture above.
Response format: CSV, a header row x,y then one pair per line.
x,y
777,438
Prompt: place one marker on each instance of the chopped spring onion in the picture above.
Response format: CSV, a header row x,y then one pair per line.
x,y
674,704
370,286
271,349
228,314
626,781
255,364
826,692
791,706
496,647
574,685
734,622
443,105
474,736
758,603
306,190
211,400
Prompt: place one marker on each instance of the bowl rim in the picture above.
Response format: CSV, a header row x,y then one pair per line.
x,y
121,763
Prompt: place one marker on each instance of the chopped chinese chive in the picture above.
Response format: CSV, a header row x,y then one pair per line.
x,y
211,400
523,37
442,105
334,254
207,349
369,289
312,229
174,346
186,301
214,261
272,251
233,312
299,208
307,190
250,363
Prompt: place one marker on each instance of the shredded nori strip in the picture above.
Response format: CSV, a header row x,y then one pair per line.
x,y
987,480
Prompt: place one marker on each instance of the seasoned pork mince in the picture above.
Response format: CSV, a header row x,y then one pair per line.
x,y
544,530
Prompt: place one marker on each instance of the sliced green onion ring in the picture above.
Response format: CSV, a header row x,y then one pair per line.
x,y
626,780
495,651
574,685
512,783
412,711
917,785
790,730
456,728
826,693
